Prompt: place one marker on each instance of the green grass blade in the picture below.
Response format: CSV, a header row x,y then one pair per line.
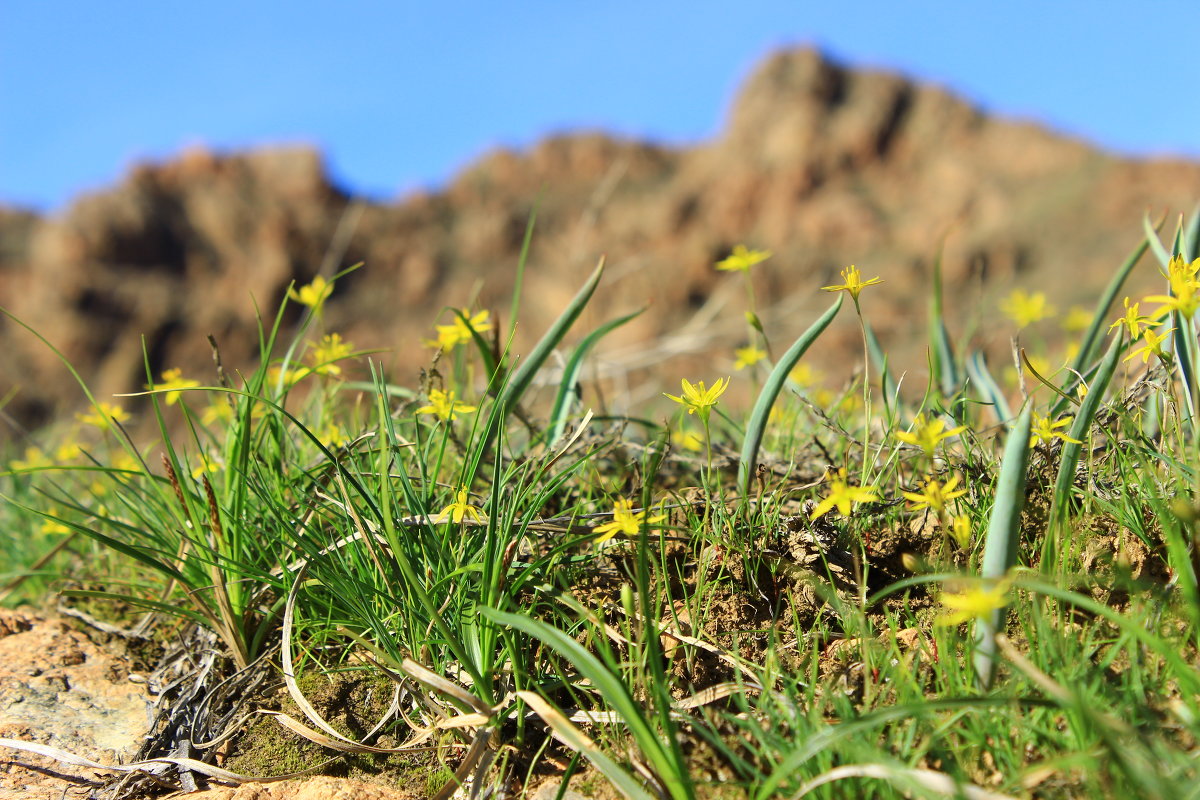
x,y
881,362
1083,422
519,281
615,693
523,375
1003,536
1089,347
575,739
993,395
766,398
946,371
1155,243
1191,237
570,378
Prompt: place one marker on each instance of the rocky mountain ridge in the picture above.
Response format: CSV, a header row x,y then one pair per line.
x,y
822,164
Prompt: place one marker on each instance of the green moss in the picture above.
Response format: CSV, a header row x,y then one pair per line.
x,y
352,702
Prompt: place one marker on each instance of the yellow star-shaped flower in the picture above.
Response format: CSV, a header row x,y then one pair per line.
x,y
748,356
1044,430
444,406
935,495
974,601
852,283
1025,309
173,380
697,398
103,415
926,434
844,496
625,520
459,509
742,259
314,294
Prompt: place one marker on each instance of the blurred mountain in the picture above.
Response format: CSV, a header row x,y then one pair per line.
x,y
822,164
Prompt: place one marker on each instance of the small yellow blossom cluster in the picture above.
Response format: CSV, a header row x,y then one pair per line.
x,y
444,406
173,385
1183,300
460,331
1025,309
330,350
104,415
935,495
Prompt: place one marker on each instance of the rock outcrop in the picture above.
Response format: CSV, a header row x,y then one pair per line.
x,y
822,164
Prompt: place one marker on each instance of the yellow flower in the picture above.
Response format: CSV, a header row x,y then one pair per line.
x,y
452,335
1133,321
52,526
960,529
1024,308
34,459
220,410
742,259
207,466
1152,345
331,435
68,451
927,434
276,374
804,375
690,440
936,495
173,380
331,349
1077,320
699,399
124,461
103,415
843,495
1185,289
459,509
314,294
1044,431
748,356
974,601
444,406
853,283
625,520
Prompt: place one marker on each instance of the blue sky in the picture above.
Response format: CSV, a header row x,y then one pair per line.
x,y
400,95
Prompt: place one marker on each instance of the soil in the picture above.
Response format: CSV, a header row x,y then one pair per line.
x,y
63,688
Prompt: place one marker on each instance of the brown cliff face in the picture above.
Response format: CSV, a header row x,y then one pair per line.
x,y
824,165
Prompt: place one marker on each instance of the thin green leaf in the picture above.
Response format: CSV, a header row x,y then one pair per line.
x,y
561,412
992,393
1083,422
945,366
575,739
614,692
1003,537
766,398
